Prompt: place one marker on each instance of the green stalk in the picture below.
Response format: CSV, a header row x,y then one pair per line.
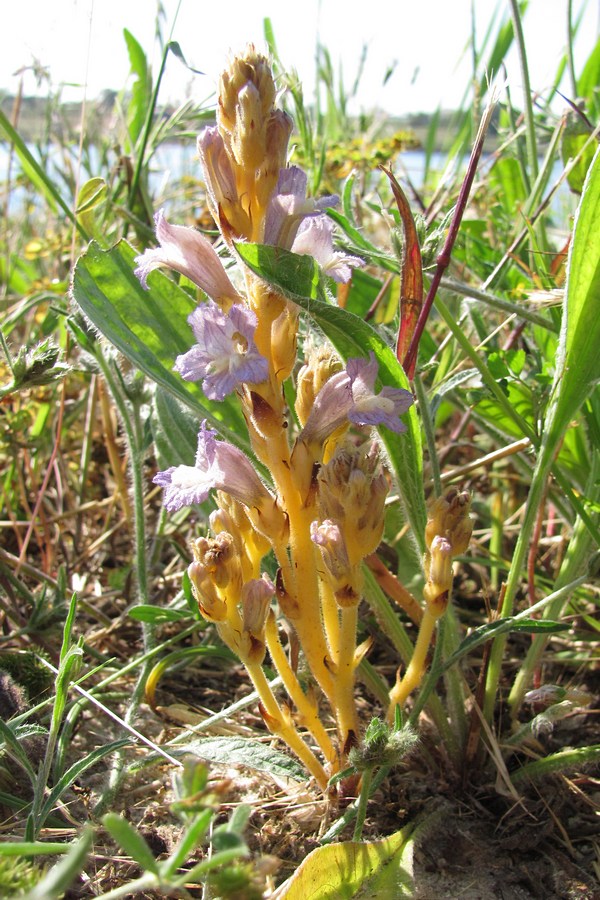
x,y
361,805
428,428
550,442
578,552
527,100
132,425
150,115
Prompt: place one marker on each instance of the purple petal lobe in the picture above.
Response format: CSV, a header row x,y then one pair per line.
x,y
186,251
220,466
315,238
225,354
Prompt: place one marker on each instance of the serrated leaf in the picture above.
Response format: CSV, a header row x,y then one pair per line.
x,y
243,752
381,869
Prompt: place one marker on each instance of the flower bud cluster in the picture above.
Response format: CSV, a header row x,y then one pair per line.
x,y
352,488
238,605
447,534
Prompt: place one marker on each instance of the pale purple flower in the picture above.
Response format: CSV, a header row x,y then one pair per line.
x,y
289,207
350,396
315,238
225,354
369,408
186,251
219,465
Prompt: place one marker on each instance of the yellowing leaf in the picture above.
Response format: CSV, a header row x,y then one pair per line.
x,y
381,869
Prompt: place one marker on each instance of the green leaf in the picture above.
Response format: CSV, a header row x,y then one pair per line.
x,y
74,771
10,739
145,613
149,327
588,82
381,869
582,332
56,882
32,848
131,841
298,278
243,752
141,91
174,429
502,626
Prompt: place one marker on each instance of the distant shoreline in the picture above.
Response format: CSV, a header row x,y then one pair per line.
x,y
41,118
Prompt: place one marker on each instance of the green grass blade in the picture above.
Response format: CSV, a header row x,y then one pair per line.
x,y
40,179
75,771
57,881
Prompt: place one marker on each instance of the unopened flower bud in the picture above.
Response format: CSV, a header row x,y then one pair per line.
x,y
211,606
256,600
284,332
217,555
321,364
440,566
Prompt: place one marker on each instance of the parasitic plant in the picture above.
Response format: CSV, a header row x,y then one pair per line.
x,y
324,511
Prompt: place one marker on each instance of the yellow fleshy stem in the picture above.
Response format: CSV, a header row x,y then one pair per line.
x,y
345,704
416,668
309,625
307,710
280,724
331,619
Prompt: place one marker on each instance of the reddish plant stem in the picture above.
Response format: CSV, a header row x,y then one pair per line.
x,y
443,260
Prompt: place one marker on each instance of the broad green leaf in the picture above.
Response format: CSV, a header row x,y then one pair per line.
x,y
242,752
588,83
582,300
149,327
298,277
381,869
174,429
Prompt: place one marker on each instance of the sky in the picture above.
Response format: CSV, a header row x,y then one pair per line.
x,y
423,43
